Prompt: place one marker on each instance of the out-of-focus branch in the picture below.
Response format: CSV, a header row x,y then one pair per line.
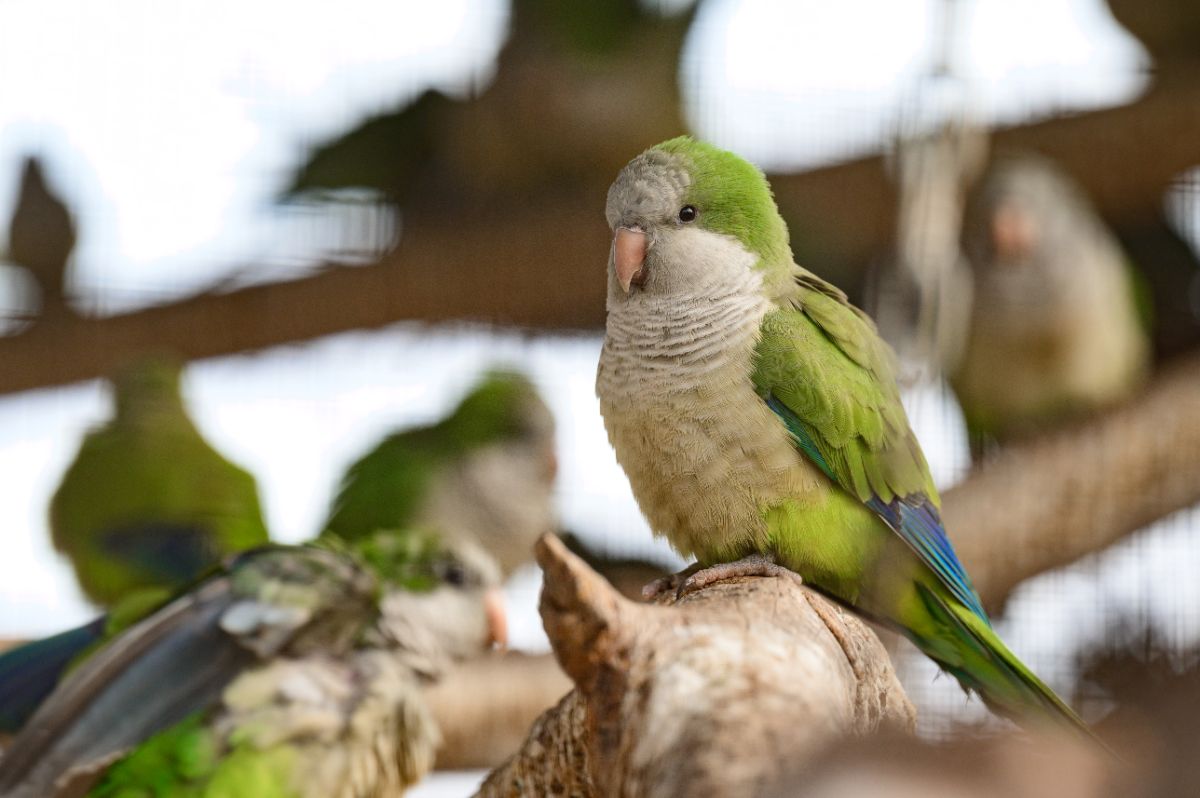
x,y
497,266
1041,766
1043,504
484,708
718,694
535,258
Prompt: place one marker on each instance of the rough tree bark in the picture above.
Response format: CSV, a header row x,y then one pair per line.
x,y
1043,504
716,694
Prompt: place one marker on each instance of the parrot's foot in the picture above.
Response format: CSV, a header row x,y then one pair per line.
x,y
754,565
696,576
668,584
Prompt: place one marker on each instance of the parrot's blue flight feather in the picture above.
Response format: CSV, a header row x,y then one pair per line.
x,y
912,517
918,523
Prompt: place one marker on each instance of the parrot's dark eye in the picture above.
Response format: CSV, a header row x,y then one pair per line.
x,y
454,574
687,213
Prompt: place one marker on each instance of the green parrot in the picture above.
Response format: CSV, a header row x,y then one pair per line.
x,y
1055,329
41,236
484,473
756,414
292,672
148,503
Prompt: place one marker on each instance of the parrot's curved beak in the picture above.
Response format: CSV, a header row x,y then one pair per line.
x,y
629,252
497,620
1014,233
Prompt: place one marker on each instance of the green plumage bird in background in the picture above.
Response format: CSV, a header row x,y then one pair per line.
x,y
1055,330
292,672
147,503
484,473
756,414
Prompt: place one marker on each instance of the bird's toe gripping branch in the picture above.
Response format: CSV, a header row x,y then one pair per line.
x,y
695,576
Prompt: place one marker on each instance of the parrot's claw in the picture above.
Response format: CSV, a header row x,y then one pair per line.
x,y
668,584
754,565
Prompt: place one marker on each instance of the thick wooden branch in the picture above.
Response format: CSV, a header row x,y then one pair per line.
x,y
1041,505
535,259
497,266
717,694
484,708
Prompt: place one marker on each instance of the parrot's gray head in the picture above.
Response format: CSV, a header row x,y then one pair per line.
x,y
1032,237
442,606
646,210
690,219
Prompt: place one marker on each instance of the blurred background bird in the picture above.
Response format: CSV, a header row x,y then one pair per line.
x,y
41,237
148,506
293,671
1055,328
147,503
483,473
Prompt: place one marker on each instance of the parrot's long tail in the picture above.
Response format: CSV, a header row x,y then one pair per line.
x,y
969,649
29,672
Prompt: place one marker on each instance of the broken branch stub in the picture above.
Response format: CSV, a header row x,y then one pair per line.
x,y
718,693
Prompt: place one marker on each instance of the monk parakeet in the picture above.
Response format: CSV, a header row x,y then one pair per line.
x,y
756,414
293,672
41,236
484,473
1054,330
147,502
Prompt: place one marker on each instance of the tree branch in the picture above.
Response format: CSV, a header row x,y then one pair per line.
x,y
714,695
1038,765
484,708
1040,505
501,262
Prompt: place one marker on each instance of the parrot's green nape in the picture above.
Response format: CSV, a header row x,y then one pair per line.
x,y
757,415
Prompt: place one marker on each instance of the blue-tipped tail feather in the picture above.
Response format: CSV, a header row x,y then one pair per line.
x,y
28,673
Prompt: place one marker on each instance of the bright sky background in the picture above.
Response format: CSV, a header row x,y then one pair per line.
x,y
172,125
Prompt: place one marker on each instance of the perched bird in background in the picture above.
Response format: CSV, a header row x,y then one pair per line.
x,y
293,672
41,236
147,503
1055,329
484,473
756,414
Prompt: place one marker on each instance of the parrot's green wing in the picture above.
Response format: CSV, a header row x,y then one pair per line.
x,y
384,488
175,663
823,369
